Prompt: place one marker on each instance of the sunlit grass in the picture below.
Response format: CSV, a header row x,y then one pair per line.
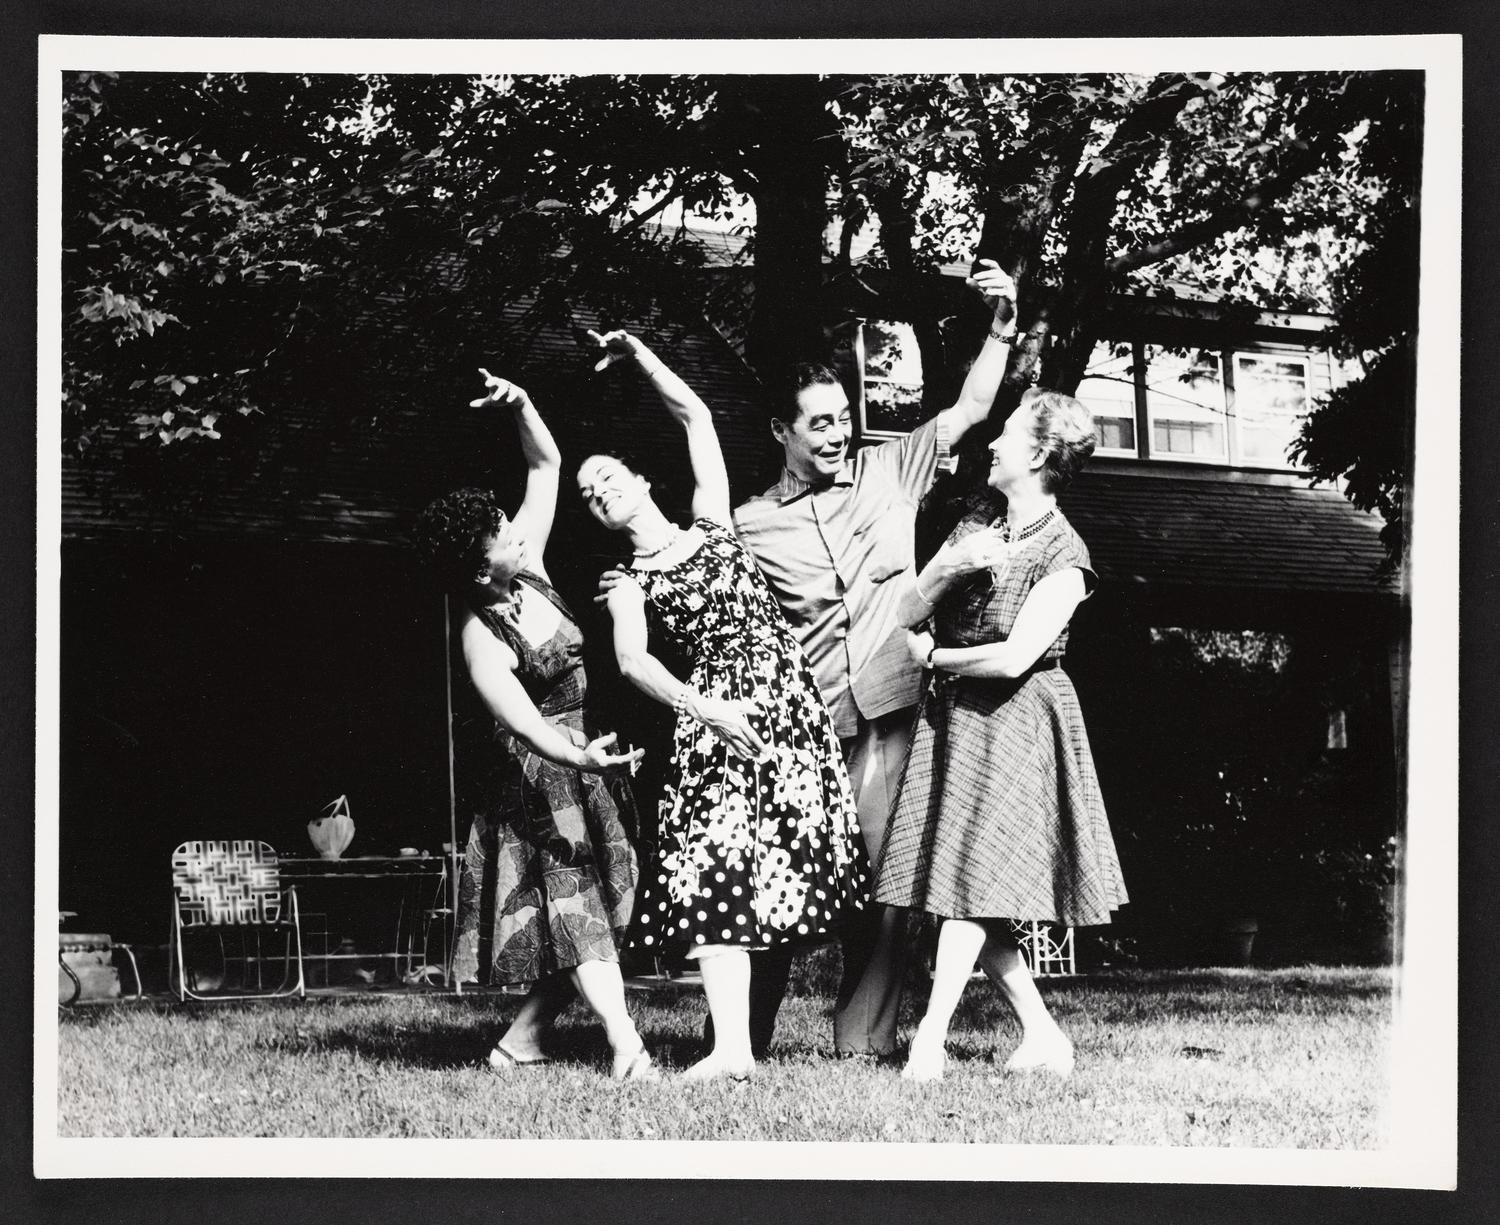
x,y
1283,1058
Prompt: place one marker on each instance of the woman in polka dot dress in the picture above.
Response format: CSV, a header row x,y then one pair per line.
x,y
759,842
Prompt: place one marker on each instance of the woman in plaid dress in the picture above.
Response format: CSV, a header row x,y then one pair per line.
x,y
999,815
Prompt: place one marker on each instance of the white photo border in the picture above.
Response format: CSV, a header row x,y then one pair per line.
x,y
1421,1113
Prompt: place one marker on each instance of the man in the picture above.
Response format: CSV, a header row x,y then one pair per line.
x,y
834,538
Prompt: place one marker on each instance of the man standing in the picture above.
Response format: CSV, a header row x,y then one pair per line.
x,y
834,537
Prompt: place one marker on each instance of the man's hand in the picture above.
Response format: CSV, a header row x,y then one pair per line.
x,y
609,580
501,391
998,288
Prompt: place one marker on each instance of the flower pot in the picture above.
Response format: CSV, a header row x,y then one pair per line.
x,y
1236,942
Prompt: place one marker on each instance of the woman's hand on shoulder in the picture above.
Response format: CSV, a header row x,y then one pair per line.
x,y
618,584
599,760
500,391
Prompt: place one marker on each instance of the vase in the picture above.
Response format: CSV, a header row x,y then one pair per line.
x,y
333,831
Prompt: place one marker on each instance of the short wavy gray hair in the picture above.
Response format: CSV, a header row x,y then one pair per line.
x,y
1064,429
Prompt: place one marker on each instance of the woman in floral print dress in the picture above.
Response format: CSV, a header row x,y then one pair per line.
x,y
759,841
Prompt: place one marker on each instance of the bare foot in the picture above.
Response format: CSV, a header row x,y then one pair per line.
x,y
925,1062
716,1065
1053,1053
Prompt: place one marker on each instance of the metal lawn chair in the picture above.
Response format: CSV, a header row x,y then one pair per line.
x,y
233,889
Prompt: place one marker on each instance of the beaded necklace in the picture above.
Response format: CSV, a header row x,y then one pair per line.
x,y
661,548
1024,533
1014,540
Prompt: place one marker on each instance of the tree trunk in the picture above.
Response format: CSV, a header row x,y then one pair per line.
x,y
786,159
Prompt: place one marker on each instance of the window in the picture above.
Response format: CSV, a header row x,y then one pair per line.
x,y
1201,406
1185,405
892,400
1270,400
1108,388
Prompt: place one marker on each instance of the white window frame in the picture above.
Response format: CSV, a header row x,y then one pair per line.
x,y
1152,414
1302,357
866,380
1134,413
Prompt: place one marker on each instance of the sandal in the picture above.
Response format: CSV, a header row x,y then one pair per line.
x,y
639,1068
501,1060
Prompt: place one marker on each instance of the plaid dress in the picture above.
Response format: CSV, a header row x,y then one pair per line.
x,y
999,813
549,874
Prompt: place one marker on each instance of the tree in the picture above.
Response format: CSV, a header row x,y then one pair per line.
x,y
1249,190
223,232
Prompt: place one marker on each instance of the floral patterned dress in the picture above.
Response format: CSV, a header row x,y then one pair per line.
x,y
752,853
548,877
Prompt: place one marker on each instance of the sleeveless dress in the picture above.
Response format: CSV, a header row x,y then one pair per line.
x,y
549,874
752,853
999,813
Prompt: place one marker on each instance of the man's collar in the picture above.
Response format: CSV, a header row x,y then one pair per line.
x,y
789,488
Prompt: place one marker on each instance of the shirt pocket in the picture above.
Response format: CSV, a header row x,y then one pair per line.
x,y
887,540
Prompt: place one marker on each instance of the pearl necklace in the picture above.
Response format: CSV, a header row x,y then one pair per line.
x,y
645,555
1024,533
1014,540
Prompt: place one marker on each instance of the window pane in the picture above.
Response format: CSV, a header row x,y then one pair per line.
x,y
1108,388
1270,400
893,378
1116,434
1185,404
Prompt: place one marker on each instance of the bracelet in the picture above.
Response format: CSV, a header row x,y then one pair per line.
x,y
1011,338
916,584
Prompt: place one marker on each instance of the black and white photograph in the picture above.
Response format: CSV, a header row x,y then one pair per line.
x,y
649,604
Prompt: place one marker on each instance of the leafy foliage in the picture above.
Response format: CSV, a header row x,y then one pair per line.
x,y
235,239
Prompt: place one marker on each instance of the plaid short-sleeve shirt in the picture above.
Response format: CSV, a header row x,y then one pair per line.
x,y
834,556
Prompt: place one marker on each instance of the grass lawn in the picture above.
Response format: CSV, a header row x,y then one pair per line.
x,y
1228,1058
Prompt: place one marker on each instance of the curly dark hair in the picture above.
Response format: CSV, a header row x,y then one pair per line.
x,y
451,535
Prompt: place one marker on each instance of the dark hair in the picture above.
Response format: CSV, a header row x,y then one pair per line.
x,y
1064,429
781,398
640,467
452,534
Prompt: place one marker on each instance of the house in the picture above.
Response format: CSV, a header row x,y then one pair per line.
x,y
252,639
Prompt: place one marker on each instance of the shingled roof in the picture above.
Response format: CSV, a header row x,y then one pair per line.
x,y
1155,526
327,477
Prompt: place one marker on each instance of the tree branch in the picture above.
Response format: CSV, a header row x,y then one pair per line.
x,y
1240,213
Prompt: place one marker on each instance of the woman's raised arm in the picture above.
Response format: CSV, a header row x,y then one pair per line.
x,y
543,461
710,477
